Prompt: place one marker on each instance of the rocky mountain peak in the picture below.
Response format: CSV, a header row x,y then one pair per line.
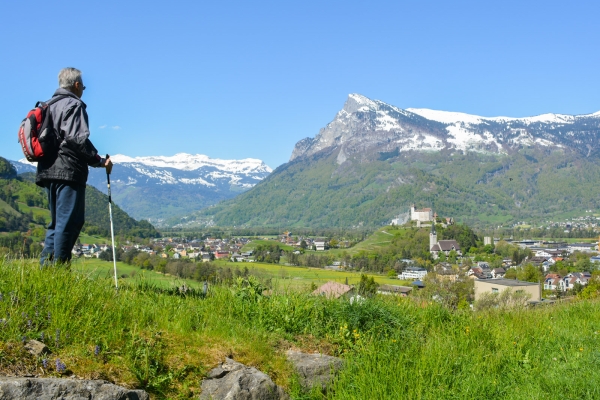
x,y
357,102
370,127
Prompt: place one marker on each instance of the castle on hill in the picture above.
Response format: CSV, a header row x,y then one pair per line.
x,y
422,215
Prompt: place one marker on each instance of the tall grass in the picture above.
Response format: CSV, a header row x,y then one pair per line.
x,y
165,341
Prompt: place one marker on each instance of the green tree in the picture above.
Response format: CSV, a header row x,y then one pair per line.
x,y
511,273
367,287
529,273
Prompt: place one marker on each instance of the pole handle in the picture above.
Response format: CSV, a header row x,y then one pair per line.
x,y
108,182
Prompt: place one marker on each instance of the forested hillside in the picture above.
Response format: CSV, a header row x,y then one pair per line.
x,y
97,220
474,188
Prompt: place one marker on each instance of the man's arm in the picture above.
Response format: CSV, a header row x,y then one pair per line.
x,y
76,134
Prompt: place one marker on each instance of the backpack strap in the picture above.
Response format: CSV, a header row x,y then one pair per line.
x,y
52,100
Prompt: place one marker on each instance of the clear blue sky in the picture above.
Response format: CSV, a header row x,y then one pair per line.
x,y
239,79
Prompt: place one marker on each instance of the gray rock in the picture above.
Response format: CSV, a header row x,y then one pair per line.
x,y
314,369
65,389
235,381
36,348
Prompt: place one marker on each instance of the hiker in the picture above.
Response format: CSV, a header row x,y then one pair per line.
x,y
65,174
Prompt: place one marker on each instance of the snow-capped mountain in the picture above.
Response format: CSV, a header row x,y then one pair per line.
x,y
370,126
159,187
374,160
191,169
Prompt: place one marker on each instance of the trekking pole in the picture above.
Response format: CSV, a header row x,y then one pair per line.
x,y
112,231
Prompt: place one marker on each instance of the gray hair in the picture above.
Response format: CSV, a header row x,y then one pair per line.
x,y
68,76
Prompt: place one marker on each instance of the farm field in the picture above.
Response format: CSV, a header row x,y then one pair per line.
x,y
96,268
288,277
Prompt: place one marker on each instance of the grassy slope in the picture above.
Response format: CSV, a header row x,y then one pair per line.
x,y
36,211
96,268
5,207
393,347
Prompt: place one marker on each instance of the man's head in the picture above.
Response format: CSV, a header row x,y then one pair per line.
x,y
70,79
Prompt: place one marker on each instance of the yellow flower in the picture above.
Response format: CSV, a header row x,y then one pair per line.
x,y
514,342
581,349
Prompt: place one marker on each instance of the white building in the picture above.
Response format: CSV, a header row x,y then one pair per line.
x,y
422,215
583,247
413,273
320,244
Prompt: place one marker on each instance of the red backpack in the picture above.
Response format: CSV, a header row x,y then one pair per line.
x,y
36,133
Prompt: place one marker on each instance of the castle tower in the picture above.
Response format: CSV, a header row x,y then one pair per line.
x,y
432,236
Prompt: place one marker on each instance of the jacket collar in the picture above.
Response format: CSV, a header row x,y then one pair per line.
x,y
65,92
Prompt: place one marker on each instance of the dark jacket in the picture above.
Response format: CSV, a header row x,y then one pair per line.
x,y
75,151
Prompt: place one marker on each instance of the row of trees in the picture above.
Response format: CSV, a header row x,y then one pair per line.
x,y
17,243
182,268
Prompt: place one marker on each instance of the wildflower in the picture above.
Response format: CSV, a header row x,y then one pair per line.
x,y
467,330
1,297
514,343
42,337
45,363
581,349
97,350
23,339
29,324
554,358
57,338
49,316
60,366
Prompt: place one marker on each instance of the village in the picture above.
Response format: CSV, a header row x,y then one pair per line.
x,y
488,279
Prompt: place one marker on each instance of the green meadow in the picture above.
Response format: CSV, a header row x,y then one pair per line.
x,y
165,341
129,274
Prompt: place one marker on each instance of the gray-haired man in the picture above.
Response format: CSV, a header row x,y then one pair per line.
x,y
64,175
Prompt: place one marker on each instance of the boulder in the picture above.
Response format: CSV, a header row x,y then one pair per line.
x,y
235,381
314,369
65,389
36,348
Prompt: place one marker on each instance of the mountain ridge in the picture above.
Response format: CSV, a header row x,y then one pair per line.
x,y
364,124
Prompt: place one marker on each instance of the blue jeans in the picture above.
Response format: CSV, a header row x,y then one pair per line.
x,y
67,209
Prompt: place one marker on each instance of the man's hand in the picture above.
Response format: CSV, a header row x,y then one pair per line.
x,y
107,164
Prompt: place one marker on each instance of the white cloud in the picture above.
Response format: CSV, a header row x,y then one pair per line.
x,y
102,127
116,127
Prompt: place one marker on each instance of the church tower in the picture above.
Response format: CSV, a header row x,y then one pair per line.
x,y
432,236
